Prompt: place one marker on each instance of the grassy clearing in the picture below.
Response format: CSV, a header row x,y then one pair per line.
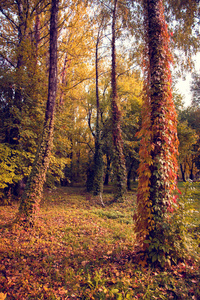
x,y
79,250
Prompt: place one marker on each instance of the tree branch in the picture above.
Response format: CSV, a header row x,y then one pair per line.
x,y
8,18
7,60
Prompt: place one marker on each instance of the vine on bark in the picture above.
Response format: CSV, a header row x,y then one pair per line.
x,y
159,142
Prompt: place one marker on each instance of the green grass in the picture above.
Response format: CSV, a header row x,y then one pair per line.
x,y
79,250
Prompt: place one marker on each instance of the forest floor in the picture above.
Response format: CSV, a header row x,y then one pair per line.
x,y
79,250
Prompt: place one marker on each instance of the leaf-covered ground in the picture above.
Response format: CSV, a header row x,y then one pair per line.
x,y
79,250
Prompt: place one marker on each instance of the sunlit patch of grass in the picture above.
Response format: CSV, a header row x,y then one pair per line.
x,y
189,202
114,214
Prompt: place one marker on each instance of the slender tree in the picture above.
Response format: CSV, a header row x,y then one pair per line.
x,y
119,161
32,195
159,143
98,155
188,139
195,89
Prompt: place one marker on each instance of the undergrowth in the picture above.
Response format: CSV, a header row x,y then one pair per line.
x,y
79,250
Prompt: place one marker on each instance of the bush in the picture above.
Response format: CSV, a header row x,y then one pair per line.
x,y
186,219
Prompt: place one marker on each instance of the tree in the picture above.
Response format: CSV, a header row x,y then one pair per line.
x,y
188,132
19,52
183,18
159,143
119,12
96,167
98,155
23,85
119,160
75,72
187,144
195,89
130,91
32,195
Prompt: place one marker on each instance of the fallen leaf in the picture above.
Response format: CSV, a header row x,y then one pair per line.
x,y
2,296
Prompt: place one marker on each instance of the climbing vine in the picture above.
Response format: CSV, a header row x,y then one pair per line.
x,y
118,155
159,142
31,197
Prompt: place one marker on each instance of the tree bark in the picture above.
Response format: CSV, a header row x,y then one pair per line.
x,y
119,160
159,144
106,180
182,173
98,155
31,197
129,175
192,169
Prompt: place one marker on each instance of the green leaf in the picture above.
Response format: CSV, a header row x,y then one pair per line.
x,y
154,258
147,241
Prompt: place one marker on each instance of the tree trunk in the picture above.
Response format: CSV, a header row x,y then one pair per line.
x,y
106,180
118,160
129,176
31,197
98,155
182,173
159,144
192,168
63,77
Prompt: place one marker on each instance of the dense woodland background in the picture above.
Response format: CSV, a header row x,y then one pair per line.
x,y
83,30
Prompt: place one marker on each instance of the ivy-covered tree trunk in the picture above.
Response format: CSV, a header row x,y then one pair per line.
x,y
31,197
98,155
118,155
159,143
107,171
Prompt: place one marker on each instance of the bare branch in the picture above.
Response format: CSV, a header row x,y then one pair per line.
x,y
15,26
7,60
